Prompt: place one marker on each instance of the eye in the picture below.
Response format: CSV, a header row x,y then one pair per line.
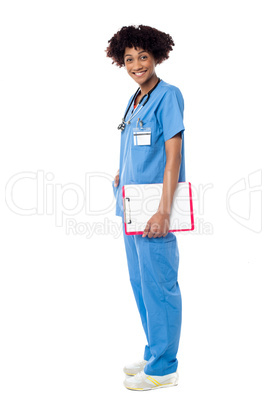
x,y
143,57
128,60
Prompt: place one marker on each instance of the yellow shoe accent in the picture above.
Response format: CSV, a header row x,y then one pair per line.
x,y
136,389
155,382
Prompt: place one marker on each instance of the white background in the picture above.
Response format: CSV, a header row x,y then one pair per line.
x,y
68,318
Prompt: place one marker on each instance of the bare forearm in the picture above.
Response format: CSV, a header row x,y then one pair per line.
x,y
170,180
158,225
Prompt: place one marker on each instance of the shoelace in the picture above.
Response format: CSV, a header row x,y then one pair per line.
x,y
139,375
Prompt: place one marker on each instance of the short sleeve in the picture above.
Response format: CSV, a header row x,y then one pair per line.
x,y
170,113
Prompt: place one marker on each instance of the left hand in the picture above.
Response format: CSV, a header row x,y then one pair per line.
x,y
157,226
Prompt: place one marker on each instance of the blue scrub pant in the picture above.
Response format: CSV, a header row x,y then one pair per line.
x,y
153,270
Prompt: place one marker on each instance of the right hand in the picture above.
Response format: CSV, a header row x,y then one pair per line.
x,y
117,178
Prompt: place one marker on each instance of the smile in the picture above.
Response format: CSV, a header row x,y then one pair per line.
x,y
140,74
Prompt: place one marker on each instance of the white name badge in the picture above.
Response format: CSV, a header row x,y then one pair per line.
x,y
142,136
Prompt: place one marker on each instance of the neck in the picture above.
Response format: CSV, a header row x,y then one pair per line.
x,y
147,86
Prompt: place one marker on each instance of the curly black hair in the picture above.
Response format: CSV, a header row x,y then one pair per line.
x,y
150,39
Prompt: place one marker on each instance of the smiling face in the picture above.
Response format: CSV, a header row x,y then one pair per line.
x,y
140,65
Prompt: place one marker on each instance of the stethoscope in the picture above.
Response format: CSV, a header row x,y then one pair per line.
x,y
138,109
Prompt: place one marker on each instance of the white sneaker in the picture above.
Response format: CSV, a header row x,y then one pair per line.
x,y
134,368
144,382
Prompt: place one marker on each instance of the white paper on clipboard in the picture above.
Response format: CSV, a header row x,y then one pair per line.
x,y
141,201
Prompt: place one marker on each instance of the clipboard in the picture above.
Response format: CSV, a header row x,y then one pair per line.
x,y
141,201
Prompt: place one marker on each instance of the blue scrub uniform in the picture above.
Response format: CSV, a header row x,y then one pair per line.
x,y
153,262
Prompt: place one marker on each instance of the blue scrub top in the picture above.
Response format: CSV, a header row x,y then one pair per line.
x,y
143,164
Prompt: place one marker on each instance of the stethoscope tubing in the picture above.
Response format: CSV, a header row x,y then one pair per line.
x,y
148,96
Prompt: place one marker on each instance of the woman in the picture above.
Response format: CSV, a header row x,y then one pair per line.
x,y
153,257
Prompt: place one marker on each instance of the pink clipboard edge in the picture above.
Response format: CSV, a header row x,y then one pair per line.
x,y
173,230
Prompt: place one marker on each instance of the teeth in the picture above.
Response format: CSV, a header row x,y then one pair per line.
x,y
140,73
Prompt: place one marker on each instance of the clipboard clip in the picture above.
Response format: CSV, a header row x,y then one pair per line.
x,y
128,211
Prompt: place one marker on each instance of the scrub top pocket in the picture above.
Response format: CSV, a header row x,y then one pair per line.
x,y
147,164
